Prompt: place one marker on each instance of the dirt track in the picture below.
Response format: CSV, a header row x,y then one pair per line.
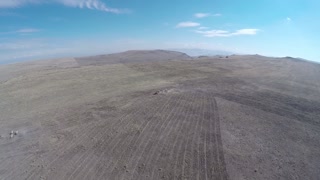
x,y
241,117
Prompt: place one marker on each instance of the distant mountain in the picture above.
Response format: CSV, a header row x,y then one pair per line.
x,y
203,52
133,56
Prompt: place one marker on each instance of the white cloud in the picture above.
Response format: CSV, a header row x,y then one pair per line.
x,y
89,4
214,33
223,33
289,19
203,15
246,32
187,24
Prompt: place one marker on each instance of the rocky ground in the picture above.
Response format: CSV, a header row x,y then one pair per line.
x,y
160,115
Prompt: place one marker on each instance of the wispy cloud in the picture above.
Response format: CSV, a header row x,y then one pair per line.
x,y
22,31
89,4
27,30
203,15
187,24
246,32
203,28
17,3
223,33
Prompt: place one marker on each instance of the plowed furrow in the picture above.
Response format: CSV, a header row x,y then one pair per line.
x,y
160,158
221,167
131,150
109,146
159,131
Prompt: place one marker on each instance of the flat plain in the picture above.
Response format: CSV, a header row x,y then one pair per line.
x,y
160,115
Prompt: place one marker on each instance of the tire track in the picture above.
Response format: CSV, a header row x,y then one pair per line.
x,y
68,147
65,151
112,144
209,112
153,147
182,143
133,138
193,171
179,132
169,160
212,155
219,148
214,170
154,155
166,145
175,145
201,158
187,155
18,167
205,143
130,137
88,154
133,170
77,163
136,141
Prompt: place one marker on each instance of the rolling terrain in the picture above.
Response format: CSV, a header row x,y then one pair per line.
x,y
160,115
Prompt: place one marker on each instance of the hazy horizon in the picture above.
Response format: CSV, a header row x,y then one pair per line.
x,y
41,29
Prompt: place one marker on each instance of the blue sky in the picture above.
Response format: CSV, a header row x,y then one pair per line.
x,y
40,29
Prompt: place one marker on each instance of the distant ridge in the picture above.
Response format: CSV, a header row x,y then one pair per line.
x,y
141,56
133,56
203,52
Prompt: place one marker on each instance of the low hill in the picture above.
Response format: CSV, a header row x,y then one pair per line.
x,y
133,56
160,115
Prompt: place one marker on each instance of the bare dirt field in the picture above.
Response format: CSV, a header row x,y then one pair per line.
x,y
160,115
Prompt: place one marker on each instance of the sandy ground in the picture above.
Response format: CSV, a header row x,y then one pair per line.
x,y
241,117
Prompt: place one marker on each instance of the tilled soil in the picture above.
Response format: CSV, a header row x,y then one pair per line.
x,y
245,117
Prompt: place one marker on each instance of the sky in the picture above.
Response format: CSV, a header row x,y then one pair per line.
x,y
42,29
